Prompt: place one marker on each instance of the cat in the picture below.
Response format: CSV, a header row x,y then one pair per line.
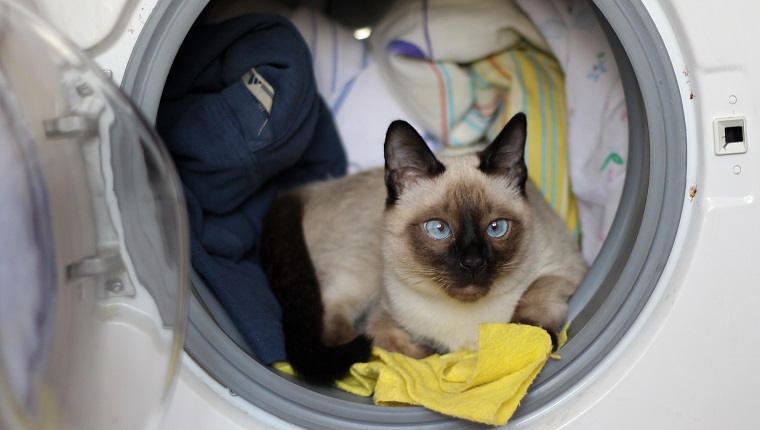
x,y
423,251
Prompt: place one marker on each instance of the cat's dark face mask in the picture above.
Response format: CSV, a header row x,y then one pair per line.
x,y
479,255
466,238
467,243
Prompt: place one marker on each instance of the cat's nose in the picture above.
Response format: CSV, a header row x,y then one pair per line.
x,y
472,263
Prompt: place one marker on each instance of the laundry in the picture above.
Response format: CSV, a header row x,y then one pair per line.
x,y
462,71
242,118
239,128
485,386
435,39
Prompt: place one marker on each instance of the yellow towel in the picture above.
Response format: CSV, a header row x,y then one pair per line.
x,y
483,386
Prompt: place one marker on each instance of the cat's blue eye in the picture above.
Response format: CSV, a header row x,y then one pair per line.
x,y
498,228
437,229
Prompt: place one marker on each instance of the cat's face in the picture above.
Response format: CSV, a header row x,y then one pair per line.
x,y
459,226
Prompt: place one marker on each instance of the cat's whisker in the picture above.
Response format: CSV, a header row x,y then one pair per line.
x,y
421,271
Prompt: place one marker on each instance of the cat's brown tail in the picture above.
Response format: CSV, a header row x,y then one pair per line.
x,y
293,280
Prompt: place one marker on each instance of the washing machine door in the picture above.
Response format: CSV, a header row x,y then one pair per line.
x,y
93,246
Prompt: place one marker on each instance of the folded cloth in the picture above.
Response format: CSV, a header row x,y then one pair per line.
x,y
527,80
463,70
241,117
485,386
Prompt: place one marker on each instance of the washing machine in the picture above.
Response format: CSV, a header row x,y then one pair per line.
x,y
661,334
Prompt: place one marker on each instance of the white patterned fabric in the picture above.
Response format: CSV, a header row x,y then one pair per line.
x,y
598,118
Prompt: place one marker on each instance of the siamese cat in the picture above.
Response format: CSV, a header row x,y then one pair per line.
x,y
423,251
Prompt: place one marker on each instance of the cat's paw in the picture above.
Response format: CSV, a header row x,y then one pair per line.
x,y
388,335
338,330
555,339
404,345
552,333
544,304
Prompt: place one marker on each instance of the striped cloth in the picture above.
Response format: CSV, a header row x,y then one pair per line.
x,y
523,79
463,92
519,79
349,80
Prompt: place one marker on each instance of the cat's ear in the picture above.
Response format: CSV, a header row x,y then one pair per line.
x,y
505,155
407,159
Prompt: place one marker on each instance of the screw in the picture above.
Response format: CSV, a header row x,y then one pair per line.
x,y
115,285
84,90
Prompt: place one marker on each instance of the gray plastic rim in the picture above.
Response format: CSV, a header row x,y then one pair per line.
x,y
610,299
